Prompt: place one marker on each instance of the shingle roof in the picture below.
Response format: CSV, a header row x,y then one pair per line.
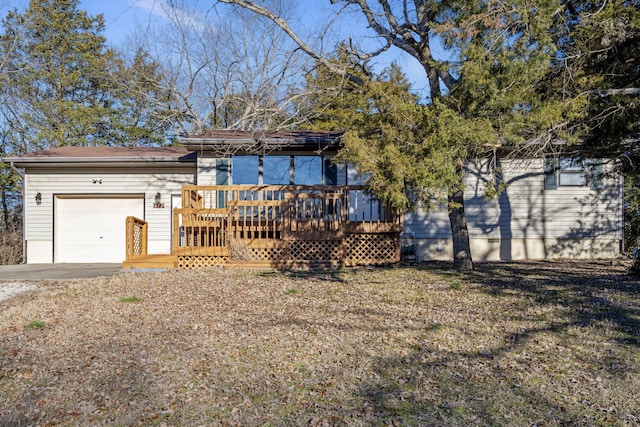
x,y
293,135
235,141
100,151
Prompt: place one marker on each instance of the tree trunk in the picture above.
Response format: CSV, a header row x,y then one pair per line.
x,y
460,234
635,267
5,210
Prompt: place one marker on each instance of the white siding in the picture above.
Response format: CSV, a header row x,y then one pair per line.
x,y
49,183
206,170
534,222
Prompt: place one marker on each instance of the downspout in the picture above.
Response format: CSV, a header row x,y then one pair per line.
x,y
24,222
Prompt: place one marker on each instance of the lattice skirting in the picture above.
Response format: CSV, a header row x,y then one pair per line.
x,y
267,254
137,241
355,249
315,250
190,262
370,249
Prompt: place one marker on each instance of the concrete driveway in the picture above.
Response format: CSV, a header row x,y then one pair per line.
x,y
25,272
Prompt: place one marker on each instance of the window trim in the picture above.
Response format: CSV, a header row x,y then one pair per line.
x,y
591,169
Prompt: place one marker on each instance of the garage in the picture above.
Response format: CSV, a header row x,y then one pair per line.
x,y
92,228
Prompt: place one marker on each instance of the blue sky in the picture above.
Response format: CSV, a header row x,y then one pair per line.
x,y
122,16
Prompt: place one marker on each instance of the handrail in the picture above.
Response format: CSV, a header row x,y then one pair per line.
x,y
214,218
136,242
352,203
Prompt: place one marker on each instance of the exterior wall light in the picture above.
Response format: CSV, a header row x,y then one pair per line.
x,y
38,198
158,201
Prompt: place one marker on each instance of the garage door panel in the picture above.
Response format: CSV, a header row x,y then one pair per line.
x,y
92,229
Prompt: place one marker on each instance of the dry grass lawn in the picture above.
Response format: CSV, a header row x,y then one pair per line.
x,y
513,344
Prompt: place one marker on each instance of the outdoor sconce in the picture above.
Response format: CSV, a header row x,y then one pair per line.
x,y
158,201
38,198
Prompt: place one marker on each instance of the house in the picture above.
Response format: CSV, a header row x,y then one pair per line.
x,y
229,196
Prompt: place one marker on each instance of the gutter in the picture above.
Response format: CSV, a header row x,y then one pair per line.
x,y
111,162
13,166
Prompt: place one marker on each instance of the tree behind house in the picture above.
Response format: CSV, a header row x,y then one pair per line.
x,y
62,85
481,94
231,71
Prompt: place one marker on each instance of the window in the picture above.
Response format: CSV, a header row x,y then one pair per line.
x,y
573,172
244,170
277,170
307,170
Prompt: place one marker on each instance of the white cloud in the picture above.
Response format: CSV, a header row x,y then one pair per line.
x,y
164,10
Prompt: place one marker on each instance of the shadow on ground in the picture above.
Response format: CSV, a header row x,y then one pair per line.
x,y
585,344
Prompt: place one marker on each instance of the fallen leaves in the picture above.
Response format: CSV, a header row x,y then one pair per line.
x,y
514,343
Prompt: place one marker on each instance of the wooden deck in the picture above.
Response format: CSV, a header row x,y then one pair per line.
x,y
277,226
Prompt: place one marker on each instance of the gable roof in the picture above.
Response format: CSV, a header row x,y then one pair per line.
x,y
113,156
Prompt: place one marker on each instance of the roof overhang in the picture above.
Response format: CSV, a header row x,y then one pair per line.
x,y
92,157
229,142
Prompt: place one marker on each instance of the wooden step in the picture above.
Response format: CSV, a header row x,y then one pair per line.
x,y
152,261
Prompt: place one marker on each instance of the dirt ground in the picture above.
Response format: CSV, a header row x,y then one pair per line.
x,y
532,343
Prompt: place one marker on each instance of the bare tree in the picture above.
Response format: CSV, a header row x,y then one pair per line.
x,y
231,71
482,94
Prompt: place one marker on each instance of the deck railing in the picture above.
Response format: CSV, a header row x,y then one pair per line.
x,y
136,237
227,220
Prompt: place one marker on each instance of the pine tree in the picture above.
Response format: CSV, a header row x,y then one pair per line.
x,y
481,97
599,61
63,86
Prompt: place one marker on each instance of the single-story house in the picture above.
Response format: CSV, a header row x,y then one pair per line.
x,y
265,196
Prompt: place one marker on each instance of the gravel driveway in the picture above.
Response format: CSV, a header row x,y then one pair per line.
x,y
19,278
10,289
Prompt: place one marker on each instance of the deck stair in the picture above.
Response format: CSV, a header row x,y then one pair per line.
x,y
151,261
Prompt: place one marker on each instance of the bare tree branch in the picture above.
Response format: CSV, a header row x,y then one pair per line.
x,y
249,5
612,92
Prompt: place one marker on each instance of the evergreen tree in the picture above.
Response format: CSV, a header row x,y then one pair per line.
x,y
598,60
388,133
481,98
142,106
332,100
598,63
63,86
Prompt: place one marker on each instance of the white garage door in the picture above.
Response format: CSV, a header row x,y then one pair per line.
x,y
92,229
